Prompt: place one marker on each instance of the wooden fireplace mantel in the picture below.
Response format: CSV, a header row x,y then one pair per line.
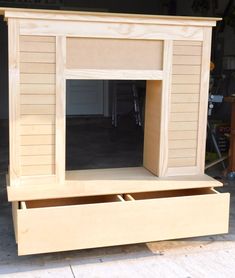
x,y
46,48
117,206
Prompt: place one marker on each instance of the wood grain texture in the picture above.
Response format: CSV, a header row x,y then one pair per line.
x,y
177,77
37,68
152,126
40,39
37,78
60,154
37,150
182,161
188,43
32,140
109,30
190,50
185,88
181,135
37,170
186,60
37,105
181,79
165,102
178,153
37,57
38,179
184,116
14,207
114,74
41,89
37,99
108,222
35,109
107,17
177,126
186,69
38,46
14,101
203,104
180,144
31,160
184,107
37,129
185,98
39,119
105,181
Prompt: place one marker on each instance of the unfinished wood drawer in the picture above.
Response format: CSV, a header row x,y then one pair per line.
x,y
87,222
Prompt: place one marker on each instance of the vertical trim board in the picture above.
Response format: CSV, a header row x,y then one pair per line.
x,y
14,101
203,104
60,108
166,102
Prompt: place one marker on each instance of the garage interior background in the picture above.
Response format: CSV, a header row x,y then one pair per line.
x,y
223,55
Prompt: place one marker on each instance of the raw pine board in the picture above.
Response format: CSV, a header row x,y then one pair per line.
x,y
37,105
185,93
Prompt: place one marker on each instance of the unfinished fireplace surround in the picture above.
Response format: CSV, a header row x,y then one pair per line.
x,y
169,197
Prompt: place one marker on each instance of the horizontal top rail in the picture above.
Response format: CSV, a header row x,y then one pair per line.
x,y
107,17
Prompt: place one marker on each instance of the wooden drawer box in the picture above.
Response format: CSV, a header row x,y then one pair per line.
x,y
87,222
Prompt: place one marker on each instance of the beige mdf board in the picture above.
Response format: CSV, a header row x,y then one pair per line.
x,y
193,212
131,54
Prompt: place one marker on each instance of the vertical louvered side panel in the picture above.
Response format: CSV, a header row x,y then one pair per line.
x,y
184,107
37,105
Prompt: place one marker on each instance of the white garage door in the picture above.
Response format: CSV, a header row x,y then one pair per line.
x,y
85,97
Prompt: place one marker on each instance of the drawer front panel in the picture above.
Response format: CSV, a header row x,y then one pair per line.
x,y
51,229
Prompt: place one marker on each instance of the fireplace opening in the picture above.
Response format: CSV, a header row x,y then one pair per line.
x,y
104,124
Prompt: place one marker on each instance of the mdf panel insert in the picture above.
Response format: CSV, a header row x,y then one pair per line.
x,y
96,53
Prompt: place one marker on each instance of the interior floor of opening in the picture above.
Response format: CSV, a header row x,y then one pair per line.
x,y
93,143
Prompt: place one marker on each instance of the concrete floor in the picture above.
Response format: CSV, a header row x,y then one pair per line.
x,y
212,256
